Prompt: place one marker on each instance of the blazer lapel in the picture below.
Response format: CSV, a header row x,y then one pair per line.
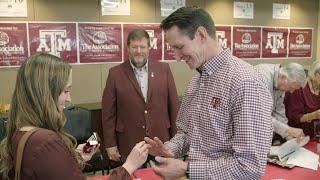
x,y
151,75
129,71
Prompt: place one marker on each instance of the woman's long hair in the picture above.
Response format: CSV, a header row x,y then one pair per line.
x,y
40,81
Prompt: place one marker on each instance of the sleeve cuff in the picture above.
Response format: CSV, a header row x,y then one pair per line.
x,y
172,147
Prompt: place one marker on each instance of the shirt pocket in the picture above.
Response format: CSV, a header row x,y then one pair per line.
x,y
220,121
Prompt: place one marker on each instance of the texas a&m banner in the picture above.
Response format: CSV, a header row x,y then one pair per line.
x,y
13,44
300,42
58,39
223,34
100,42
96,42
274,42
246,42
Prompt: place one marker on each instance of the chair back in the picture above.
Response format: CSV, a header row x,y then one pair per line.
x,y
2,128
79,126
78,123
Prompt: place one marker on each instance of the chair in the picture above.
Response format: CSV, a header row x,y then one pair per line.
x,y
2,133
79,126
2,128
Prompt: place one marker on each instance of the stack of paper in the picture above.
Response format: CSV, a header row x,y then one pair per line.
x,y
291,154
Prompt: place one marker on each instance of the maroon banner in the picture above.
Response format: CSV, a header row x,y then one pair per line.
x,y
155,34
274,42
100,42
58,39
223,34
168,52
246,42
13,44
300,42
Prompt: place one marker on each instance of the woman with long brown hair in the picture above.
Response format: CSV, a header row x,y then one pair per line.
x,y
42,89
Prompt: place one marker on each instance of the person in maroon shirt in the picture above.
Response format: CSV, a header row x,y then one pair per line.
x,y
42,90
303,105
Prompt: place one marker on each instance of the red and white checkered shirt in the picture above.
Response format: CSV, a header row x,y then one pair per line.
x,y
224,122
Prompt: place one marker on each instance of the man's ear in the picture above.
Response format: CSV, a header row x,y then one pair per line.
x,y
202,33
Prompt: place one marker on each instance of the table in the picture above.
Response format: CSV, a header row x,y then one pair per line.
x,y
297,173
142,174
273,172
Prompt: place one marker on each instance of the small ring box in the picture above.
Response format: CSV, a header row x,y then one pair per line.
x,y
92,141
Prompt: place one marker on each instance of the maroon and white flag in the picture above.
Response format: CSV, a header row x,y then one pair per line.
x,y
223,34
58,39
300,42
155,34
168,53
246,42
274,42
100,42
13,44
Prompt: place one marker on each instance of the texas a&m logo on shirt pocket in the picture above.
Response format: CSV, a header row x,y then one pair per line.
x,y
215,102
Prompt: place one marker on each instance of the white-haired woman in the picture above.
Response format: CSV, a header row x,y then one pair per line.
x,y
303,105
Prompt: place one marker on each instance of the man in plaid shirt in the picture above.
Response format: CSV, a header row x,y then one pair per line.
x,y
224,122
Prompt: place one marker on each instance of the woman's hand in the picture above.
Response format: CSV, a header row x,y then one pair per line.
x,y
86,156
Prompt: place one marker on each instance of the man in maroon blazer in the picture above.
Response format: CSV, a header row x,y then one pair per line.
x,y
139,100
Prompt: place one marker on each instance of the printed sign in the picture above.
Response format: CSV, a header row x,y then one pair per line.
x,y
274,42
100,42
300,42
243,10
155,34
246,42
58,39
13,44
115,7
223,34
280,11
13,8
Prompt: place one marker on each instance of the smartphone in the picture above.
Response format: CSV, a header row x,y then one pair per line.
x,y
92,141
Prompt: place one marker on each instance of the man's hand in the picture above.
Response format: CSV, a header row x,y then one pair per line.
x,y
113,153
295,133
157,148
170,168
137,157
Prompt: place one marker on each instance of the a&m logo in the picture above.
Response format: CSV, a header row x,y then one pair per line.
x,y
54,41
222,40
275,42
153,39
215,102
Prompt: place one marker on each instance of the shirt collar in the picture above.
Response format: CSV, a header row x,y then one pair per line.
x,y
144,68
215,63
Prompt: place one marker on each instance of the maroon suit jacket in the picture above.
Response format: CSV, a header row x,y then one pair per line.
x,y
127,118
